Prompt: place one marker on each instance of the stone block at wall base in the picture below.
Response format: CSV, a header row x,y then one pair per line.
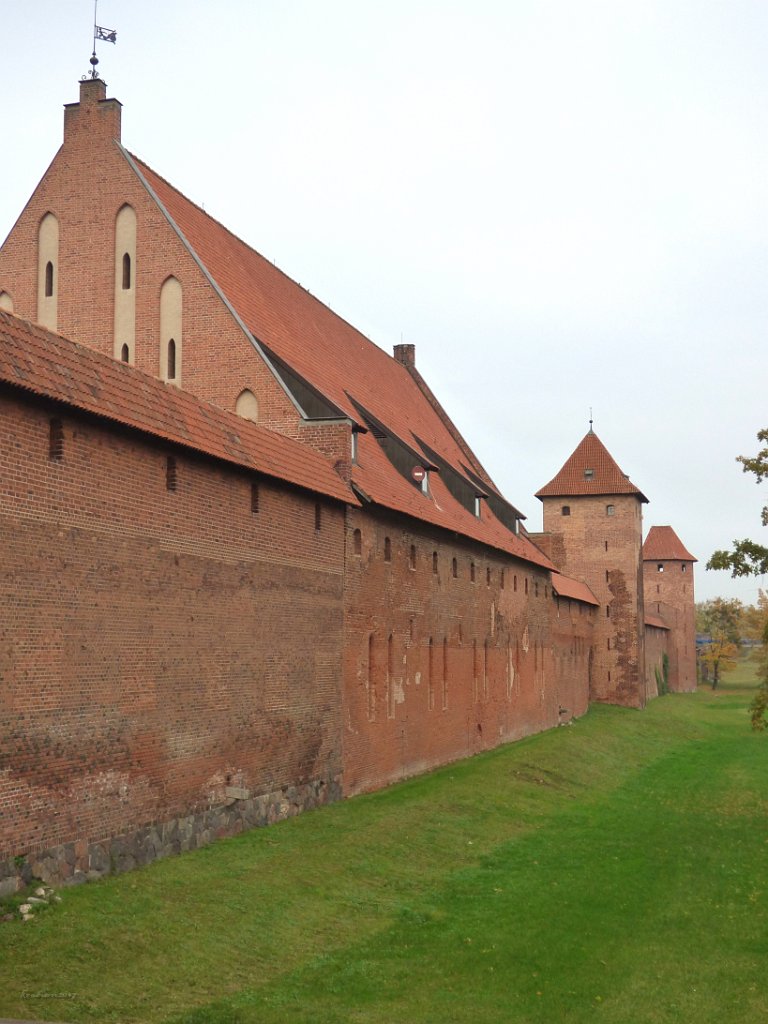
x,y
79,861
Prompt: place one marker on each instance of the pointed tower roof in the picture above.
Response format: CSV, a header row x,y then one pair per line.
x,y
590,470
662,544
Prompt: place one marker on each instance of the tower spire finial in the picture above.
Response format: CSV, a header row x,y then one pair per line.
x,y
590,420
107,35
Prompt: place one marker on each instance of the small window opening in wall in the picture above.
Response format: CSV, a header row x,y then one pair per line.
x,y
56,440
171,360
434,562
607,611
472,572
526,584
254,496
387,549
565,510
412,557
610,510
606,544
126,271
318,516
125,354
454,568
608,643
488,577
502,579
609,677
684,567
660,567
357,542
48,279
171,480
514,583
607,576
658,589
536,588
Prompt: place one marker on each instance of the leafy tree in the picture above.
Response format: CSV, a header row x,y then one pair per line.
x,y
747,558
721,618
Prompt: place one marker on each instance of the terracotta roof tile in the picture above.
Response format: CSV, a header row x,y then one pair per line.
x,y
50,366
344,366
663,544
564,586
656,621
590,470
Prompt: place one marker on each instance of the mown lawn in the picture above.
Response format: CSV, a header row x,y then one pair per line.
x,y
616,870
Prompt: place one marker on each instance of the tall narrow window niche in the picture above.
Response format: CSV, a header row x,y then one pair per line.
x,y
125,284
171,331
48,272
6,302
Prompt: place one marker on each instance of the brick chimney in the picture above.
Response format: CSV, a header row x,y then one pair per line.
x,y
406,354
94,118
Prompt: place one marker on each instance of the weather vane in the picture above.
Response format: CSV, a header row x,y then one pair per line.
x,y
105,35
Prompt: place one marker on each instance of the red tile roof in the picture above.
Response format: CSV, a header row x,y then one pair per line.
x,y
589,470
45,364
663,544
344,366
564,586
655,621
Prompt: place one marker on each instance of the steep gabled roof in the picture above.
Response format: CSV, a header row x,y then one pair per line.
x,y
662,544
345,368
590,470
565,586
47,365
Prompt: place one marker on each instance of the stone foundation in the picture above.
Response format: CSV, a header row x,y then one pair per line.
x,y
83,861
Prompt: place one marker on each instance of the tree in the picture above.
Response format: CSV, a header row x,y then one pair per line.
x,y
750,559
721,618
747,558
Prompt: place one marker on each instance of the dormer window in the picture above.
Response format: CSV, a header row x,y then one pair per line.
x,y
354,446
425,482
588,474
477,505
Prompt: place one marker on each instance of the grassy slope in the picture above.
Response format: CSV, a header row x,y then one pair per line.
x,y
614,868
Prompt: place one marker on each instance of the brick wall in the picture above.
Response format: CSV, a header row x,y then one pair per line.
x,y
438,666
156,646
604,550
670,594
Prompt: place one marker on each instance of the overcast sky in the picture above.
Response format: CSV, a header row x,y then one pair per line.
x,y
562,205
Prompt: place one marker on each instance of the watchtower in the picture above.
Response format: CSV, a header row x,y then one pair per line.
x,y
593,515
668,587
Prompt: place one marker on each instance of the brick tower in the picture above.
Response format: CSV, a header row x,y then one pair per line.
x,y
668,589
593,516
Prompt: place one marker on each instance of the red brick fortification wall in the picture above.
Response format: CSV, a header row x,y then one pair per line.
x,y
438,667
656,646
572,631
604,551
670,594
167,656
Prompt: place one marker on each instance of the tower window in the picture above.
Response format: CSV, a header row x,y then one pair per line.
x,y
170,474
318,515
610,510
488,577
684,567
171,360
434,562
254,496
565,510
387,549
357,542
412,557
454,568
126,271
472,571
660,567
125,354
48,279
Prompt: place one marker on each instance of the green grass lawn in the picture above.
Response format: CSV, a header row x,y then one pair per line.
x,y
616,870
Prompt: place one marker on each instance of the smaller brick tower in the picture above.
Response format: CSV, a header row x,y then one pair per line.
x,y
668,588
593,516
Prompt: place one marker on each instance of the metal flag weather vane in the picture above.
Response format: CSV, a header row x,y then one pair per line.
x,y
105,35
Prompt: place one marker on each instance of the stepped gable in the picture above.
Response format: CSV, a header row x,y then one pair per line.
x,y
590,470
662,544
45,364
566,586
345,368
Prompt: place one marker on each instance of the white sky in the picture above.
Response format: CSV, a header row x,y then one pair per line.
x,y
562,204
